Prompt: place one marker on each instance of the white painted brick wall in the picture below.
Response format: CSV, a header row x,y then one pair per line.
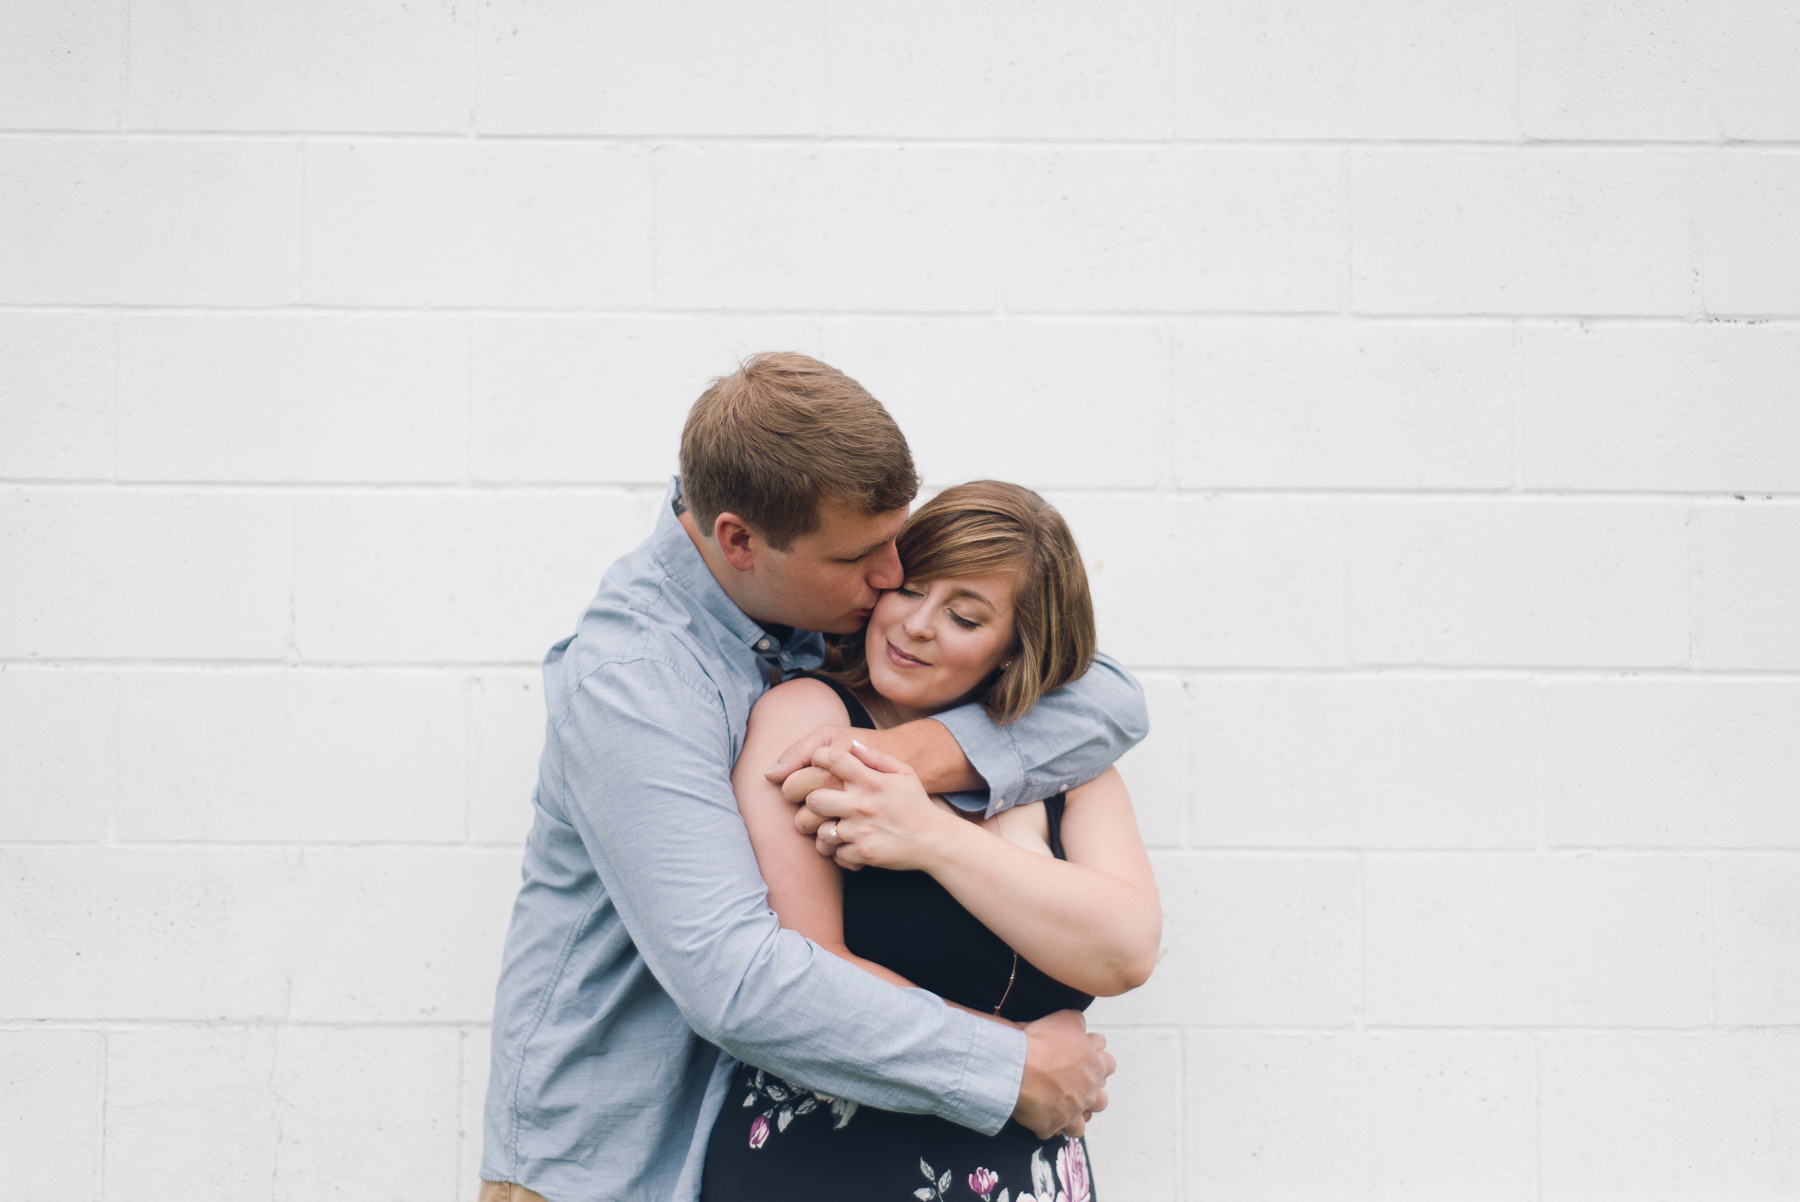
x,y
1419,378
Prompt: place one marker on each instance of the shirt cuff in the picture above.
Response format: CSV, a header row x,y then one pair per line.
x,y
992,753
992,1073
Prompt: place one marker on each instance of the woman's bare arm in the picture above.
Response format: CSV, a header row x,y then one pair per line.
x,y
806,890
1092,921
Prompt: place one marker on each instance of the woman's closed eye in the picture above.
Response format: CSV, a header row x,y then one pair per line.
x,y
965,623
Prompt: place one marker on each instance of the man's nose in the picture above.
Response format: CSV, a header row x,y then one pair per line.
x,y
886,573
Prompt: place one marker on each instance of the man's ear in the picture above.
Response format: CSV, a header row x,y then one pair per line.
x,y
740,545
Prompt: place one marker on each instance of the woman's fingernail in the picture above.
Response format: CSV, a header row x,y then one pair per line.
x,y
857,743
775,768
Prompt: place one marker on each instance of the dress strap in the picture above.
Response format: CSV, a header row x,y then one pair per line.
x,y
859,713
1053,813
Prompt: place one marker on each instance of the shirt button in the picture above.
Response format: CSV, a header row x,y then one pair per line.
x,y
762,644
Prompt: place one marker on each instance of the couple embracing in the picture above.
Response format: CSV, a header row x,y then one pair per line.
x,y
827,855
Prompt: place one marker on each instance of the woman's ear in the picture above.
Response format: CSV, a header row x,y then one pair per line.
x,y
740,545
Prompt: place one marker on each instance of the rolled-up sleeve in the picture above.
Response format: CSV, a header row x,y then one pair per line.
x,y
643,755
1068,738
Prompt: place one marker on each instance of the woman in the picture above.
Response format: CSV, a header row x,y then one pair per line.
x,y
1036,909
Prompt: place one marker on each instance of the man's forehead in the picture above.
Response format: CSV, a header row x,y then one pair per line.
x,y
846,531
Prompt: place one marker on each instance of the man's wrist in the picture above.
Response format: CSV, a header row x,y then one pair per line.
x,y
934,755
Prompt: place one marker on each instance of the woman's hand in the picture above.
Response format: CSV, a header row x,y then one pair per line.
x,y
881,816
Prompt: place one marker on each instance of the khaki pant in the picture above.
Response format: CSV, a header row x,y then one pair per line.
x,y
501,1191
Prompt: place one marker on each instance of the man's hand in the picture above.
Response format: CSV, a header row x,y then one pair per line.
x,y
1065,1075
880,816
925,743
799,757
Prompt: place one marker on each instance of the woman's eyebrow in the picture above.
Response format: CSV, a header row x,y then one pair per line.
x,y
971,593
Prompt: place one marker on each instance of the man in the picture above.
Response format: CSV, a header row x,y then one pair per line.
x,y
642,942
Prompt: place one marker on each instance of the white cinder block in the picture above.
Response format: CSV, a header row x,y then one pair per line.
x,y
1189,581
998,70
57,740
1522,231
1673,764
1366,1117
191,1112
1749,259
1511,940
367,1113
1576,583
754,227
1749,597
1252,940
1095,394
1365,762
1659,70
507,727
302,65
1756,927
468,577
394,935
1660,407
62,66
155,934
50,1112
56,395
292,755
602,399
1410,69
1280,403
1670,1117
551,225
475,1052
123,573
175,222
1158,770
290,397
1133,1144
1252,230
682,68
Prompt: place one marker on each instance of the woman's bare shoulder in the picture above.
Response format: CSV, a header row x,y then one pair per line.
x,y
1108,784
802,699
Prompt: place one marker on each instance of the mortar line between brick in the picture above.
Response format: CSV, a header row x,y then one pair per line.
x,y
105,1066
638,490
261,1023
1712,940
1696,586
1537,1113
1149,142
1347,169
431,310
1398,672
1198,853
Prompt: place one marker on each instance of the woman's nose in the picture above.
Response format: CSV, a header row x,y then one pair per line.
x,y
917,624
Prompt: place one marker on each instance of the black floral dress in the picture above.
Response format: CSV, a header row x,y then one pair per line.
x,y
776,1140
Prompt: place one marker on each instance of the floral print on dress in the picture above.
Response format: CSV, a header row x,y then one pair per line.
x,y
1064,1180
786,1102
1067,1181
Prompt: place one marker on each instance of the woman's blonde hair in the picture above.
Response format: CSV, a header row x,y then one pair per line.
x,y
990,526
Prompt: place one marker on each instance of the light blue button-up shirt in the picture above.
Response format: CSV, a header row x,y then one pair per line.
x,y
643,955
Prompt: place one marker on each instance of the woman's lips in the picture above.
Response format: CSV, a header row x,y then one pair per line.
x,y
901,659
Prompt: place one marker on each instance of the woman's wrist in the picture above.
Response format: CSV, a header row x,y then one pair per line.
x,y
952,841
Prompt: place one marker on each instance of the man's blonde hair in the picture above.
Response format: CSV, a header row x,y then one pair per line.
x,y
991,526
772,439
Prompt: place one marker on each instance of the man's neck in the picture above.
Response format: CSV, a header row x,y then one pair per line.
x,y
727,576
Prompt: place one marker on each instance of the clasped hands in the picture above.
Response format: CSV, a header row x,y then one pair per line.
x,y
865,807
862,806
